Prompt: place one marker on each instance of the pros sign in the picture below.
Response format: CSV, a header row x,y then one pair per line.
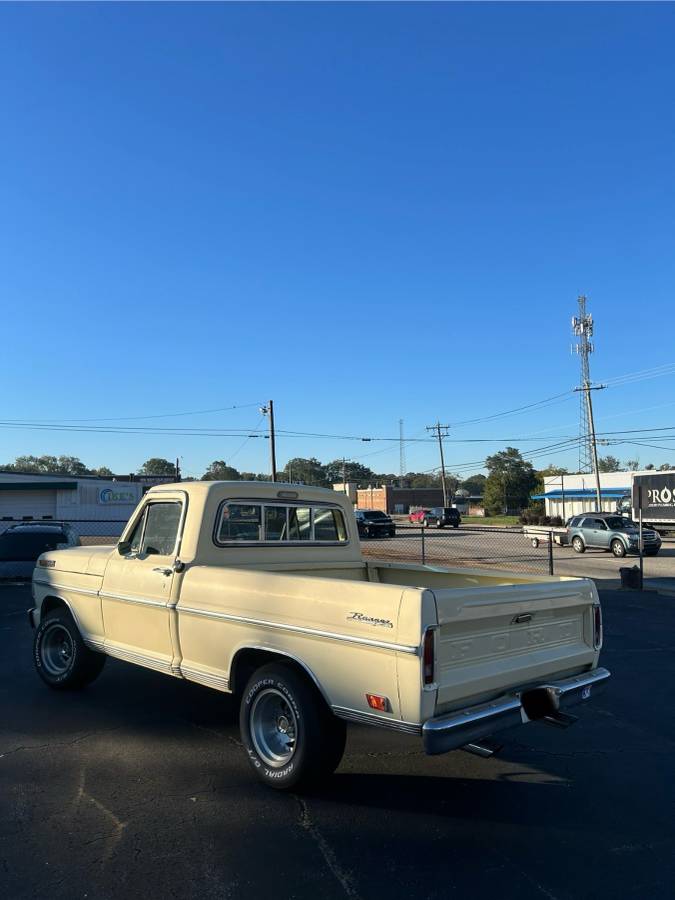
x,y
116,496
656,494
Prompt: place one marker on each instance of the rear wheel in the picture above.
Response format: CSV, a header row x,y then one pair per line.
x,y
535,542
291,737
61,657
618,548
577,544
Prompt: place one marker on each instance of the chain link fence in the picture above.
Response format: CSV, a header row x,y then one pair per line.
x,y
471,546
480,547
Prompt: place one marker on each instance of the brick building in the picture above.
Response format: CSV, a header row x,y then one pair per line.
x,y
391,499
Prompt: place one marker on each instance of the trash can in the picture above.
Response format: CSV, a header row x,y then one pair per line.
x,y
630,577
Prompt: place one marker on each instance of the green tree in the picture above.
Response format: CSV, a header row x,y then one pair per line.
x,y
510,481
354,471
103,472
304,471
422,480
50,465
475,484
609,464
664,467
220,471
157,466
632,464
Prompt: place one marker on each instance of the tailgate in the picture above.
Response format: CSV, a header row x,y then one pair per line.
x,y
494,638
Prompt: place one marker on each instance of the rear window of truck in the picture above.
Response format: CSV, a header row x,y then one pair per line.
x,y
255,523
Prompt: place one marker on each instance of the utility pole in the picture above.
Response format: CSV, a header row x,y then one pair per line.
x,y
441,432
269,411
401,462
177,473
344,474
582,326
587,388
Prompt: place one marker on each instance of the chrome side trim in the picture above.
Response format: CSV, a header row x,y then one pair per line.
x,y
298,629
66,587
366,718
92,643
140,659
130,598
210,679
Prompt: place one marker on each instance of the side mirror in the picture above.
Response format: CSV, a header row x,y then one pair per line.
x,y
124,547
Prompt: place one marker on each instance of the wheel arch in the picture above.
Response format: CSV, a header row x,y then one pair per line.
x,y
249,658
52,602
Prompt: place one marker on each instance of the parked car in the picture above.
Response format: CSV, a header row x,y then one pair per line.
x,y
261,591
440,516
374,523
21,544
418,516
607,531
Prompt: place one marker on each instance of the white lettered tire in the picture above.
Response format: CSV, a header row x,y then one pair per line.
x,y
290,736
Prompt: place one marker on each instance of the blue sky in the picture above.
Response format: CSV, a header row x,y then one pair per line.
x,y
365,212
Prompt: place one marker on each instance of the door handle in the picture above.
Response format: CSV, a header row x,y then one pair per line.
x,y
163,570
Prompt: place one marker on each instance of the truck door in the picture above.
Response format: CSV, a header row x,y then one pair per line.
x,y
136,595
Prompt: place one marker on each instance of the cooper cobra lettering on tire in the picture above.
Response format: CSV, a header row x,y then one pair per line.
x,y
290,736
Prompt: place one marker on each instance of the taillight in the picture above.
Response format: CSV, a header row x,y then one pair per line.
x,y
597,626
428,656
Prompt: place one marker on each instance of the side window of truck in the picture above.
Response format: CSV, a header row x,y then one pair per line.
x,y
161,528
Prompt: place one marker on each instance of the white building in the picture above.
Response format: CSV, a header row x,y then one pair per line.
x,y
94,505
570,495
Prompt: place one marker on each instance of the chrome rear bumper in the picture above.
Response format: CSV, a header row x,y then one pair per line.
x,y
454,730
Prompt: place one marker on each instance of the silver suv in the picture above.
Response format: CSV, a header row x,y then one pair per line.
x,y
607,531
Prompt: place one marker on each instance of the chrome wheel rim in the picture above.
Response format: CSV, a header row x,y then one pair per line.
x,y
274,728
56,649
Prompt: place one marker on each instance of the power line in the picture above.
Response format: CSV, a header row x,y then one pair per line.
x,y
194,412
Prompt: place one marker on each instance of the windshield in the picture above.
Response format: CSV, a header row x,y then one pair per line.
x,y
374,514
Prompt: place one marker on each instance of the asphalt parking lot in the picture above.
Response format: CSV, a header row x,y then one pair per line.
x,y
137,786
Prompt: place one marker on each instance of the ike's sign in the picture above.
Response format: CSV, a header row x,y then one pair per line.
x,y
112,496
656,494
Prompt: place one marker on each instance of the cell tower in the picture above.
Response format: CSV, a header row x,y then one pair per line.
x,y
582,326
401,462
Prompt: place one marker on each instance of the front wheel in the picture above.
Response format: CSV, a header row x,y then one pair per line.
x,y
62,659
535,542
618,548
291,737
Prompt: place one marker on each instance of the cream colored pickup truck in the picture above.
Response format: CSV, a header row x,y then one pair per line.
x,y
260,590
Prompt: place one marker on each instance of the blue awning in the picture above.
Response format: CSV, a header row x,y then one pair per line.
x,y
581,493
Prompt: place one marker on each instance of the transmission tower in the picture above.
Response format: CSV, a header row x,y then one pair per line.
x,y
401,463
582,326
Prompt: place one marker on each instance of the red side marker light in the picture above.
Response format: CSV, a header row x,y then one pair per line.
x,y
379,703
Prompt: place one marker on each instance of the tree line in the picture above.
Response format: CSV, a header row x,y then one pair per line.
x,y
508,486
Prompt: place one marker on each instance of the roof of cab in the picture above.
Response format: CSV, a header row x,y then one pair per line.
x,y
268,490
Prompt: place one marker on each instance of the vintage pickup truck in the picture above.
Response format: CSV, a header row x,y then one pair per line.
x,y
260,590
